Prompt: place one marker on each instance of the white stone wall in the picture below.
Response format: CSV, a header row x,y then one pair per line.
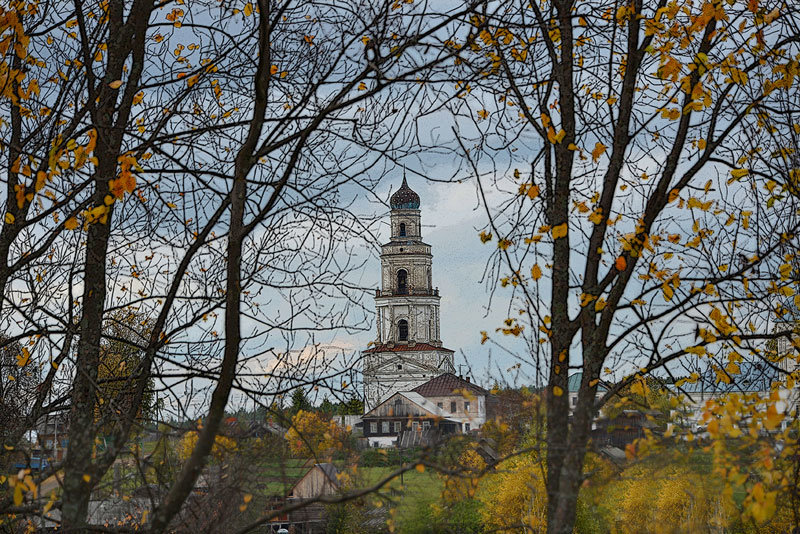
x,y
412,220
382,378
422,314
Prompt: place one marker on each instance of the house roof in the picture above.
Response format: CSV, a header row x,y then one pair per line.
x,y
754,375
328,469
574,383
447,384
414,397
407,348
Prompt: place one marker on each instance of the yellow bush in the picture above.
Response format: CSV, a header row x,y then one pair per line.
x,y
222,445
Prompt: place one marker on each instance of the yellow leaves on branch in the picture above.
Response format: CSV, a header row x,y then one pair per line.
x,y
174,17
222,445
313,435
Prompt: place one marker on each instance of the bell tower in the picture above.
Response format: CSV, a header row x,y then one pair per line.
x,y
408,349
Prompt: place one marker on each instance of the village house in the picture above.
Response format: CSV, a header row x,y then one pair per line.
x,y
441,406
462,400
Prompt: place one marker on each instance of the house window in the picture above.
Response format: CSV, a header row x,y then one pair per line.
x,y
397,425
453,407
414,425
373,428
440,405
402,229
402,282
426,425
574,401
466,427
466,406
384,427
402,330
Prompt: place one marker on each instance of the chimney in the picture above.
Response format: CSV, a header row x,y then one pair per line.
x,y
468,379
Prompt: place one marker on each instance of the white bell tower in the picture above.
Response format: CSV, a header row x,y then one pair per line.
x,y
408,350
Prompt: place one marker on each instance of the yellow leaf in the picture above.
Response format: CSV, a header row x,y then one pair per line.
x,y
86,478
309,39
248,497
557,391
483,114
773,418
599,150
362,86
599,304
536,271
115,84
484,337
9,218
22,359
71,223
620,263
560,231
668,292
248,9
420,468
739,173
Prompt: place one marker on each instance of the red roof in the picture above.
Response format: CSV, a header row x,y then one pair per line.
x,y
445,384
405,347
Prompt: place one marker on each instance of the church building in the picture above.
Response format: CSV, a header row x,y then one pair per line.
x,y
408,350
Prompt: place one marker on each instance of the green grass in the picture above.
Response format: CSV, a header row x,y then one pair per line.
x,y
412,496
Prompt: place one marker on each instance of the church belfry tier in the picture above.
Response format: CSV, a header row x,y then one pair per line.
x,y
408,348
407,292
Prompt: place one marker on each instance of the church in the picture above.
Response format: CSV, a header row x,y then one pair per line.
x,y
408,350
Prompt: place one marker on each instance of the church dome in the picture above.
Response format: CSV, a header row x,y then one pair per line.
x,y
405,198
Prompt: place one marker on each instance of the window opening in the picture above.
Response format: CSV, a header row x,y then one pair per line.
x,y
402,330
402,282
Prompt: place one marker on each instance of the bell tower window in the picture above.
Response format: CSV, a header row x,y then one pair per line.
x,y
402,282
402,330
402,230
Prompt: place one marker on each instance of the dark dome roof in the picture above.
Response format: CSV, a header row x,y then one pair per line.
x,y
405,198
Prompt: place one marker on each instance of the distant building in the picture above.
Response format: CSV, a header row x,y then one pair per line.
x,y
319,480
441,406
410,413
408,349
462,400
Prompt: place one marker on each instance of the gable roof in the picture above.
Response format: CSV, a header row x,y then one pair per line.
x,y
328,469
574,383
414,398
407,348
447,384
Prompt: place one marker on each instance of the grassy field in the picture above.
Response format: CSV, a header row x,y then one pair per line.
x,y
412,496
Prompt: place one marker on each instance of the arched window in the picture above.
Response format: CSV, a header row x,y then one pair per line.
x,y
402,282
402,330
402,229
